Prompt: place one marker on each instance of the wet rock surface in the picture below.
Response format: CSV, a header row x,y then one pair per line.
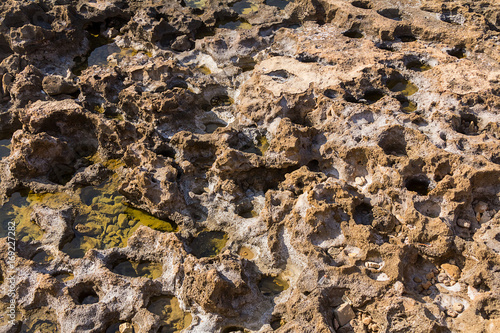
x,y
251,166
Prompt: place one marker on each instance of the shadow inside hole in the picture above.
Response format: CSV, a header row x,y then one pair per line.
x,y
353,34
418,66
373,96
84,294
272,285
330,93
390,13
233,329
362,4
418,184
363,214
467,124
393,142
208,243
281,4
457,52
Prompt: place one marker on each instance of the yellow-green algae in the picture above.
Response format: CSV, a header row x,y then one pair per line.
x,y
263,144
147,269
208,243
42,257
271,285
235,24
401,85
42,320
4,148
200,4
64,276
172,318
103,219
18,209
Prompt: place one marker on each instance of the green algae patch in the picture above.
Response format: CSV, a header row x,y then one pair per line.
x,y
172,318
151,270
271,285
18,210
5,148
208,243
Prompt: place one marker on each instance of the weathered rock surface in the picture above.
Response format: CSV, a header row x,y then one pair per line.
x,y
351,148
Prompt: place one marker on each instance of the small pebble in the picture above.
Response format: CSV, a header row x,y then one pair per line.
x,y
360,181
442,277
458,307
463,223
481,207
367,320
452,313
426,285
429,276
416,279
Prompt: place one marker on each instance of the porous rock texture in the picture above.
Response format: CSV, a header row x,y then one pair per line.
x,y
352,146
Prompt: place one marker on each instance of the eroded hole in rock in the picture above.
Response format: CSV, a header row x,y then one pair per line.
x,y
428,208
362,4
270,285
401,85
353,34
277,322
213,126
246,211
458,52
208,243
407,106
373,96
281,4
419,184
466,124
417,65
244,7
234,24
390,13
5,146
234,329
363,214
150,270
497,237
306,57
279,75
330,93
490,309
221,100
172,317
246,63
61,173
84,293
406,38
393,142
442,170
246,252
313,166
42,257
452,17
